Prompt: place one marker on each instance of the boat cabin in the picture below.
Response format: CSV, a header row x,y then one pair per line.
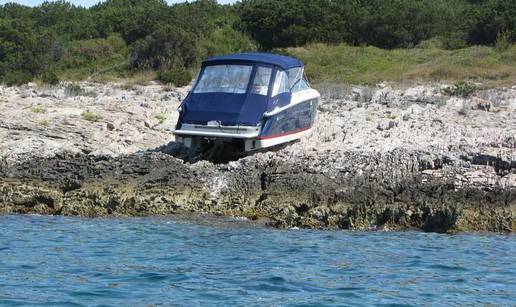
x,y
248,98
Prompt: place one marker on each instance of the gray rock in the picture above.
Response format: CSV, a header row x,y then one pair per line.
x,y
386,125
437,170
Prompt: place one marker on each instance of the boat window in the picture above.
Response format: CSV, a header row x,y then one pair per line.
x,y
300,85
280,83
261,81
294,75
224,79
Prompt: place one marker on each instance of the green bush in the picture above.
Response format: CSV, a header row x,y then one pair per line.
x,y
161,118
50,77
450,42
226,40
38,109
454,41
177,76
433,43
94,49
91,116
461,89
165,48
503,41
16,78
44,123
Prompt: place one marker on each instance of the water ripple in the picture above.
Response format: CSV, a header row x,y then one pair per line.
x,y
60,261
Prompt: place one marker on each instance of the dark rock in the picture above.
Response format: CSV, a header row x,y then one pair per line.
x,y
392,192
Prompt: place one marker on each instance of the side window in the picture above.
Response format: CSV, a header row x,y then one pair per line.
x,y
261,81
294,75
280,84
301,85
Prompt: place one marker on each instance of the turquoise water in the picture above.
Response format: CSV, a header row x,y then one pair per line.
x,y
162,261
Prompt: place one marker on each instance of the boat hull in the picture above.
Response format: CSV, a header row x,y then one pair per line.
x,y
280,126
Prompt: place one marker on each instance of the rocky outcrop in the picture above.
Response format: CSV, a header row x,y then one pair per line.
x,y
379,159
88,118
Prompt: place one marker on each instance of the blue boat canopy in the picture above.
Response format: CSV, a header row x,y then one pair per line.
x,y
285,62
242,91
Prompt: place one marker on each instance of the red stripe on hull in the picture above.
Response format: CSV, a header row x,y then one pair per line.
x,y
283,134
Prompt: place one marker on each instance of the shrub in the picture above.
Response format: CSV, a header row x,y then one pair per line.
x,y
44,123
16,78
226,40
503,41
177,76
461,89
165,48
454,41
91,116
50,78
433,43
161,118
94,49
38,109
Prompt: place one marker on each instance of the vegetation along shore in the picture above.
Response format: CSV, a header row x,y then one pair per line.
x,y
416,127
355,41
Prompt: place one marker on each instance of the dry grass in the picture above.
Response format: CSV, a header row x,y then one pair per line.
x,y
140,78
370,65
126,81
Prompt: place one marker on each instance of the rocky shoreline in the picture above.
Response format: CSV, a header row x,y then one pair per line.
x,y
379,158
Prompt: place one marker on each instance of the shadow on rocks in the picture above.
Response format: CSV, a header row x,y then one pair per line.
x,y
215,154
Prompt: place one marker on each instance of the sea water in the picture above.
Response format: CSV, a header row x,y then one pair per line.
x,y
53,261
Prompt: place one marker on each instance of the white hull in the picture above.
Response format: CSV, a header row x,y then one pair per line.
x,y
250,144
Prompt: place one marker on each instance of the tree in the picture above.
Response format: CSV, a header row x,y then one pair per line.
x,y
65,19
21,56
493,17
167,47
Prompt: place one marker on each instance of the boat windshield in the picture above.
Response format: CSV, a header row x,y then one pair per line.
x,y
294,75
224,79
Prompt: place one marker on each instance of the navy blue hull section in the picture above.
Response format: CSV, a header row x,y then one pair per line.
x,y
295,119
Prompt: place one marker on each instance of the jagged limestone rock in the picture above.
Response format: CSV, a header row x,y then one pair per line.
x,y
435,169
